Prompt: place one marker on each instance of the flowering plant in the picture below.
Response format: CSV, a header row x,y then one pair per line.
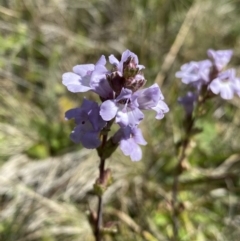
x,y
207,78
210,76
122,102
122,99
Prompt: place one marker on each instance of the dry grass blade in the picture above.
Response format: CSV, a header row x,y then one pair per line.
x,y
179,41
40,188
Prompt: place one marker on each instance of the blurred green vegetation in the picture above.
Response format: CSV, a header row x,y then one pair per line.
x,y
40,40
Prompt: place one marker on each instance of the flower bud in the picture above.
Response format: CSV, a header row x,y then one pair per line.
x,y
133,76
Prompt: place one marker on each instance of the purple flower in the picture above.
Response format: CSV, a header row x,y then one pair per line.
x,y
122,100
129,139
87,77
152,98
225,84
89,124
124,108
127,106
220,57
195,72
188,102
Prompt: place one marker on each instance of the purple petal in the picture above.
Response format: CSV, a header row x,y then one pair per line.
x,y
224,84
215,86
83,69
73,82
89,124
93,109
188,102
126,146
130,148
75,113
224,89
99,83
136,154
220,57
195,71
128,116
138,137
127,53
89,140
96,120
148,98
101,61
88,110
125,94
122,118
108,110
161,108
113,60
227,93
129,137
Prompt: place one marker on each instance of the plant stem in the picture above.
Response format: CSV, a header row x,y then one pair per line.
x,y
178,171
98,236
99,220
182,155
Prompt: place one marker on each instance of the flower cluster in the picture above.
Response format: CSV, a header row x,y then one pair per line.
x,y
210,74
122,99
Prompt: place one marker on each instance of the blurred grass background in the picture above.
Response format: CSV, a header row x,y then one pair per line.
x,y
46,180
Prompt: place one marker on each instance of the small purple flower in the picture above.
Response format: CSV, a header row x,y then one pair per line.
x,y
152,98
87,77
127,106
89,124
188,102
193,72
124,108
129,139
225,84
122,100
220,57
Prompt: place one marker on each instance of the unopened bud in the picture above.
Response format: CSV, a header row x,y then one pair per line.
x,y
135,83
133,76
